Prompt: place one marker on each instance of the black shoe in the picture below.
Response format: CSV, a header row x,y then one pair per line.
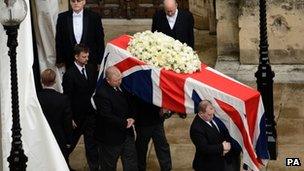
x,y
182,115
167,115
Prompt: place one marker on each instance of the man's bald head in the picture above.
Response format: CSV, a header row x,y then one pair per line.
x,y
170,7
113,76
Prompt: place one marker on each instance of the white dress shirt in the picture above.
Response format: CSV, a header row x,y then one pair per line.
x,y
172,19
77,25
80,69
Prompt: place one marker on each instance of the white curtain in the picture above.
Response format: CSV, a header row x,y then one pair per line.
x,y
44,22
39,143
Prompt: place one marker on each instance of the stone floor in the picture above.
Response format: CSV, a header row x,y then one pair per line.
x,y
288,105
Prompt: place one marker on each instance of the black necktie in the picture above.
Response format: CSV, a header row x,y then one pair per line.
x,y
83,73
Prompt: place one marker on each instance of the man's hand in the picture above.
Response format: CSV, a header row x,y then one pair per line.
x,y
130,122
226,147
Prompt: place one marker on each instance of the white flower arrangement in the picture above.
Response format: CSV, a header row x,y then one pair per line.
x,y
162,51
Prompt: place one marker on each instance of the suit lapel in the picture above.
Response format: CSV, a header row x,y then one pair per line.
x,y
70,27
207,126
85,24
177,21
79,75
164,16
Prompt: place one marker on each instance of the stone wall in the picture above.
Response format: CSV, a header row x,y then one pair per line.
x,y
199,9
285,31
227,27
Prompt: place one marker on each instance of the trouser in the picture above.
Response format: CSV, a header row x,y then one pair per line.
x,y
162,148
234,164
126,151
91,147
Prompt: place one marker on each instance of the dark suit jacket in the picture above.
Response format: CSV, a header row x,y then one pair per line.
x,y
92,36
57,111
113,110
146,114
80,90
208,144
182,30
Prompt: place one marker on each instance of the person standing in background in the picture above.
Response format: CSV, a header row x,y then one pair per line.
x,y
174,22
77,26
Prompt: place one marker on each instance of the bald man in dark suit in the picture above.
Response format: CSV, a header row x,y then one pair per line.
x,y
175,23
115,120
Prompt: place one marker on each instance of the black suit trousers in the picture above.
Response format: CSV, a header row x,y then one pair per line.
x,y
127,152
162,148
91,147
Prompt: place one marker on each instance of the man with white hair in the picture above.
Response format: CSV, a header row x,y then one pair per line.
x,y
174,22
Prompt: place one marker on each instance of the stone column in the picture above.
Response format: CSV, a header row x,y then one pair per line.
x,y
212,17
227,27
285,32
199,9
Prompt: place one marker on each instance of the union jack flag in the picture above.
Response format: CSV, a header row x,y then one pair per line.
x,y
238,107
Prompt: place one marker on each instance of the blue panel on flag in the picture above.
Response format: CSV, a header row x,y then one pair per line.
x,y
196,98
261,146
223,129
140,84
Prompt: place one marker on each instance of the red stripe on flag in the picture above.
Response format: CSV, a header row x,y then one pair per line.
x,y
128,63
236,118
223,84
121,41
252,106
172,85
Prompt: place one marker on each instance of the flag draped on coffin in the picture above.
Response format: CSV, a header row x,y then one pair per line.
x,y
238,106
39,143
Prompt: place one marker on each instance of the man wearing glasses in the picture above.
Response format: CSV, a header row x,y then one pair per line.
x,y
78,26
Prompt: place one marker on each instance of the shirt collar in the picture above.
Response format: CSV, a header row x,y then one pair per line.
x,y
49,87
80,14
78,66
